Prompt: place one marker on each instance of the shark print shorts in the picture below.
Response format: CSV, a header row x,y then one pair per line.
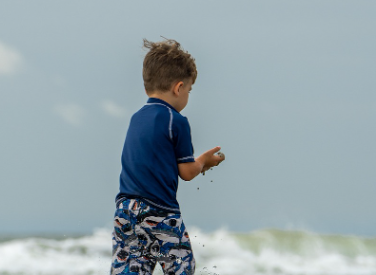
x,y
144,235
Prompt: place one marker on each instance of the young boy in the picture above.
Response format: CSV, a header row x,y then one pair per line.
x,y
148,227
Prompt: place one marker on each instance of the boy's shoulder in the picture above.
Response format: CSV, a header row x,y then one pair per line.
x,y
160,113
156,105
156,110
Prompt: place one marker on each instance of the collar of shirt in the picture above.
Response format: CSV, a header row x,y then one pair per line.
x,y
160,101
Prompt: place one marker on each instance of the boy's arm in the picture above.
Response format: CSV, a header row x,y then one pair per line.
x,y
189,170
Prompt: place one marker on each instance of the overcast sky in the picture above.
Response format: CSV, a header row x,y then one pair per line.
x,y
287,88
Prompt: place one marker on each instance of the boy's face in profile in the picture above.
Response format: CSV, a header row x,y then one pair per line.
x,y
183,95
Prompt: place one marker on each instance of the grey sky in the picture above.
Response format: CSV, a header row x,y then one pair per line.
x,y
287,88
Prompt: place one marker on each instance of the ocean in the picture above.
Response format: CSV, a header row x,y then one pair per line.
x,y
262,252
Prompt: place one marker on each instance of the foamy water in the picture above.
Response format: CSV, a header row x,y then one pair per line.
x,y
265,252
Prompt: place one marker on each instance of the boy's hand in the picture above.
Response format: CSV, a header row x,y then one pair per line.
x,y
211,159
187,171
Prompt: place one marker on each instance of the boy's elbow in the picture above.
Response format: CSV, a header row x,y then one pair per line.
x,y
188,171
187,176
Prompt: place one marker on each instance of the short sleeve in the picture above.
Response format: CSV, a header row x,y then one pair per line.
x,y
182,140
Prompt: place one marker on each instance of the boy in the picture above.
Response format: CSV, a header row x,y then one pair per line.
x,y
148,226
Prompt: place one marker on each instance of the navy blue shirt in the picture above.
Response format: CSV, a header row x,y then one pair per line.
x,y
157,140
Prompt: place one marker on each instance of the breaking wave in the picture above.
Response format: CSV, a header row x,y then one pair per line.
x,y
263,252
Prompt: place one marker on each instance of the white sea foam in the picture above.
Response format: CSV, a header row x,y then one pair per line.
x,y
265,252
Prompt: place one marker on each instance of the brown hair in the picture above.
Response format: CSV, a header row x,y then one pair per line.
x,y
165,63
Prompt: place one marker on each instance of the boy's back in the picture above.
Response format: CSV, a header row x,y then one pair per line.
x,y
158,138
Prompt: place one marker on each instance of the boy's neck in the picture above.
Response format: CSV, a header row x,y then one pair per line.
x,y
177,96
165,96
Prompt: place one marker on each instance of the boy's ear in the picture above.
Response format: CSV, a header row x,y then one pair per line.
x,y
176,87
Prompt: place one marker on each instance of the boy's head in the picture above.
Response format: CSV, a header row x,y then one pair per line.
x,y
165,64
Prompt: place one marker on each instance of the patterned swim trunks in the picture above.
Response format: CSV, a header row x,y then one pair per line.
x,y
144,235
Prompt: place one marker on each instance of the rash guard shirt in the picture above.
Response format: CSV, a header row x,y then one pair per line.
x,y
158,138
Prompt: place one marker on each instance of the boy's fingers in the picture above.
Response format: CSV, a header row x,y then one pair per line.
x,y
221,155
219,162
214,150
